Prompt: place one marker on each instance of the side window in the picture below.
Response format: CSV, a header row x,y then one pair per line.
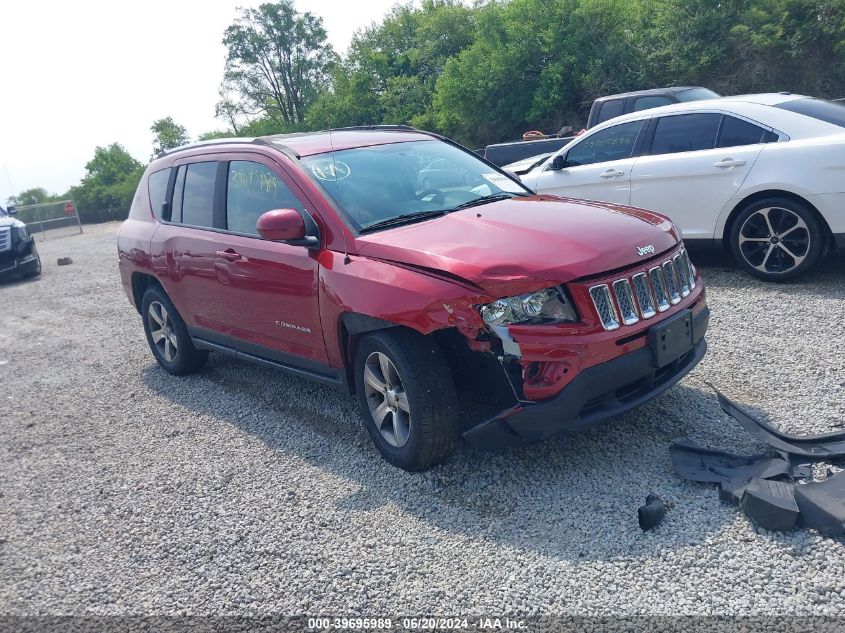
x,y
198,197
685,133
178,193
737,132
611,109
254,189
646,103
157,183
614,143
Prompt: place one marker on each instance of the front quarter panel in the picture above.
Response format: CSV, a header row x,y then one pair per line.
x,y
393,293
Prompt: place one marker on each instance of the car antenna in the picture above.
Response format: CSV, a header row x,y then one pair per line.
x,y
346,259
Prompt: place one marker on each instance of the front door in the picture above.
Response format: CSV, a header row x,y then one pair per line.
x,y
598,167
267,290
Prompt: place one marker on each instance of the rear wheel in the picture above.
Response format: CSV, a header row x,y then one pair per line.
x,y
168,336
407,397
776,239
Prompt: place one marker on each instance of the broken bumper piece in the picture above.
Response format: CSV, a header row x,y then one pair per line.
x,y
776,492
813,447
594,395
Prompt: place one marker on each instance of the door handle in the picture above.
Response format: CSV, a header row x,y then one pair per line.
x,y
612,173
229,255
729,162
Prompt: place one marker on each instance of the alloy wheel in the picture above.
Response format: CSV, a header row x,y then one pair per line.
x,y
162,331
774,240
387,399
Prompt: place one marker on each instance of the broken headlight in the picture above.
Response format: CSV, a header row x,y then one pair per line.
x,y
544,306
22,232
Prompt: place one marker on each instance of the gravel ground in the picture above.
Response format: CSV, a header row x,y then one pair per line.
x,y
240,490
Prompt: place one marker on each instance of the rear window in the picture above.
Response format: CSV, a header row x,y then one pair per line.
x,y
737,132
611,109
198,197
827,111
696,94
157,183
647,103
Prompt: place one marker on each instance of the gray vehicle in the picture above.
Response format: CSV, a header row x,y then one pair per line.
x,y
18,255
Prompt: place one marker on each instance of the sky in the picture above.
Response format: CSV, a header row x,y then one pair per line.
x,y
80,74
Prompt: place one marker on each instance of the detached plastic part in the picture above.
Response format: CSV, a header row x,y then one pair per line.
x,y
651,514
822,504
732,472
770,504
814,447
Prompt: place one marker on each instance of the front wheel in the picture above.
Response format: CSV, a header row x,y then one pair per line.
x,y
407,397
35,272
776,239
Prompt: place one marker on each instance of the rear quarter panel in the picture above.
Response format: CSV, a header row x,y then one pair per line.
x,y
134,237
811,168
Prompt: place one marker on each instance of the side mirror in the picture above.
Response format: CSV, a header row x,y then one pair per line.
x,y
558,163
512,174
11,210
281,224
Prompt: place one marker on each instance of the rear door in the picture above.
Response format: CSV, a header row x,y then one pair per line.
x,y
597,167
267,290
184,247
692,164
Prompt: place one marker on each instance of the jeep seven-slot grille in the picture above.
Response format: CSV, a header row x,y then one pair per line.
x,y
5,239
645,293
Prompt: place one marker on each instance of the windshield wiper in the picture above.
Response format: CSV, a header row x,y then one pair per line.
x,y
407,218
493,197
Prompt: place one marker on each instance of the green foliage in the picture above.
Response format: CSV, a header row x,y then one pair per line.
x,y
109,184
36,195
168,134
390,72
277,61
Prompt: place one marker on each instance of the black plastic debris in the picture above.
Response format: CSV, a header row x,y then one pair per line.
x,y
770,504
732,472
651,514
816,447
822,504
776,491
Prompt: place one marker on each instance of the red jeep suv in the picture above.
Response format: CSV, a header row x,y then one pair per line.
x,y
407,270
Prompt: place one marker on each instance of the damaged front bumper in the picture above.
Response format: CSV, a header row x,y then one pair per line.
x,y
594,395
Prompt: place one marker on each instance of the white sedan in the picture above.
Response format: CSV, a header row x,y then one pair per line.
x,y
762,175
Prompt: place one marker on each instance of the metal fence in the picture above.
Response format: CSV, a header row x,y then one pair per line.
x,y
51,219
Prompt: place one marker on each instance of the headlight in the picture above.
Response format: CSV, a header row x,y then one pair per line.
x,y
22,232
544,306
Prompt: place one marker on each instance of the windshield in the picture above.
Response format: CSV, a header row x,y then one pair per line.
x,y
696,94
375,185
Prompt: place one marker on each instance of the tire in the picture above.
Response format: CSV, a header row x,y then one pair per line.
x,y
37,272
174,351
777,239
420,433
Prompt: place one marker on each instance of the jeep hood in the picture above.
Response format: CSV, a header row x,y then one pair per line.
x,y
522,244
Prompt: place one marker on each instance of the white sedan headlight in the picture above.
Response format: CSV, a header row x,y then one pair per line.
x,y
544,306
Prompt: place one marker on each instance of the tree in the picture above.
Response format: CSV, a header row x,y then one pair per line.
x,y
36,195
278,61
109,184
168,134
391,69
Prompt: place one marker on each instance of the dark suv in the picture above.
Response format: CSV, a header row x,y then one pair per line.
x,y
331,256
18,255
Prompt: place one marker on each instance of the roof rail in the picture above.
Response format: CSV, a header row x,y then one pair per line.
x,y
273,139
213,141
405,128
